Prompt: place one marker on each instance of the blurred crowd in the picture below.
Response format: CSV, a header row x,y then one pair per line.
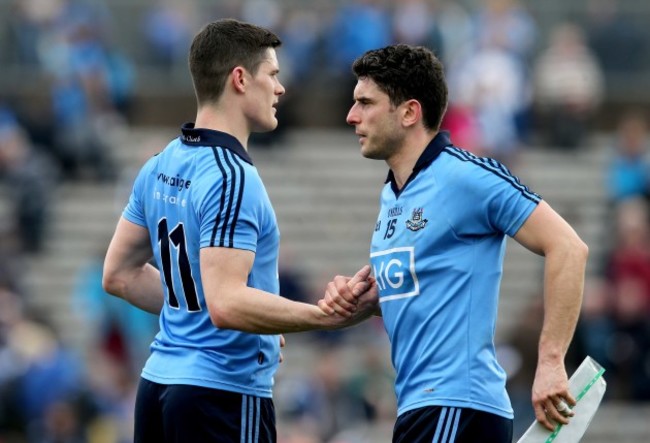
x,y
513,83
615,327
511,77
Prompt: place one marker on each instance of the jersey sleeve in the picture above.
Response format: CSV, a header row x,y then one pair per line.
x,y
491,200
134,210
230,213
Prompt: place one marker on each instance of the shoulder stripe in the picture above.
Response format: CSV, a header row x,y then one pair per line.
x,y
237,161
223,195
496,168
231,197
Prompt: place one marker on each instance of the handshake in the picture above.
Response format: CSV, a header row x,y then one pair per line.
x,y
350,300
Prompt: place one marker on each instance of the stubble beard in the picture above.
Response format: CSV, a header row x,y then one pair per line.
x,y
381,149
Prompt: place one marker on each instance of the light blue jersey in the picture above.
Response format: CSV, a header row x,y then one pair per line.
x,y
437,254
203,191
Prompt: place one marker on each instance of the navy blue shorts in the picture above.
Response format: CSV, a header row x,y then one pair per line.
x,y
184,413
441,424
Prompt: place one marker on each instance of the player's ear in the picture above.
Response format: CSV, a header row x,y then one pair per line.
x,y
238,78
411,112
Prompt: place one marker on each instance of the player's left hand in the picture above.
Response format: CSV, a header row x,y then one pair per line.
x,y
551,397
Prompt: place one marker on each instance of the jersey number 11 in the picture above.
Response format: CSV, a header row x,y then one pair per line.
x,y
176,238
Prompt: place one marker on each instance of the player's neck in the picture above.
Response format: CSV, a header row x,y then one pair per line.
x,y
403,161
211,118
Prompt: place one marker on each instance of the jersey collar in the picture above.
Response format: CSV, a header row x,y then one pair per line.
x,y
192,136
430,153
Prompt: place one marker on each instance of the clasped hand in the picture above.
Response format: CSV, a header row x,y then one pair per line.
x,y
350,300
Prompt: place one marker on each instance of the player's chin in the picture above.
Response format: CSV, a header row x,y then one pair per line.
x,y
368,152
267,126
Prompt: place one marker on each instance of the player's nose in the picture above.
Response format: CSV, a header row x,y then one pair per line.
x,y
352,117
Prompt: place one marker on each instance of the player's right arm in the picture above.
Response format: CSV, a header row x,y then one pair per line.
x,y
234,305
546,233
127,272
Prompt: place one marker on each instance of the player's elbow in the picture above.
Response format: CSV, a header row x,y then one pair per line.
x,y
221,316
580,249
574,251
113,284
569,250
217,317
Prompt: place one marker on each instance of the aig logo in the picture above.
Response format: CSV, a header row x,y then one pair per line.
x,y
394,270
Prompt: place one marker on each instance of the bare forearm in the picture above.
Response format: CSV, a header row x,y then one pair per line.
x,y
127,273
563,288
232,304
256,311
140,287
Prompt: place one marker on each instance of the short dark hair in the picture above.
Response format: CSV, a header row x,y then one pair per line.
x,y
406,72
221,46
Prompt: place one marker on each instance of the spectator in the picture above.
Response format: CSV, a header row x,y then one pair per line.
x,y
29,28
61,424
301,33
595,328
11,365
29,177
265,13
508,27
323,402
43,375
568,87
167,28
359,25
506,24
456,29
617,40
372,386
462,121
120,81
112,388
121,330
413,22
52,374
628,276
82,89
292,283
628,172
490,89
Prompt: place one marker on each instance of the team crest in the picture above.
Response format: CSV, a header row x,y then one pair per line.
x,y
416,222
